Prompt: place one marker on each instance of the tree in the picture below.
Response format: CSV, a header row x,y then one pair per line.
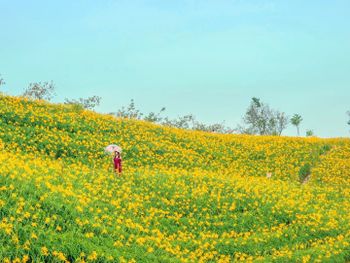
x,y
40,91
215,127
296,120
89,103
154,117
182,122
282,122
349,117
261,119
130,112
310,133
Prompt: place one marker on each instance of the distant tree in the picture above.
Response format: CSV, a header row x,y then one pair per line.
x,y
216,127
296,120
130,111
2,81
89,103
261,119
349,117
40,90
282,122
183,122
310,133
154,117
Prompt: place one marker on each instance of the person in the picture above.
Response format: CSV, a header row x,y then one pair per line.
x,y
117,160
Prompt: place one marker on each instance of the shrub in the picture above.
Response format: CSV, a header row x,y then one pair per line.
x,y
77,107
304,171
325,148
310,133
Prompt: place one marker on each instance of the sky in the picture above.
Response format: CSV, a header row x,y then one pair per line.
x,y
207,58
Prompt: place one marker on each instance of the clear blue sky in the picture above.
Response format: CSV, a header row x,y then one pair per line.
x,y
202,57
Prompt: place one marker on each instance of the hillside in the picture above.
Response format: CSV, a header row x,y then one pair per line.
x,y
185,196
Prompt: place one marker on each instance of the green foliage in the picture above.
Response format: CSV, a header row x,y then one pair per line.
x,y
179,211
324,149
60,132
310,133
77,107
296,120
304,171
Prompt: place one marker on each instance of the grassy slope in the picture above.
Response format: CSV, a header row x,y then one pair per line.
x,y
58,131
184,196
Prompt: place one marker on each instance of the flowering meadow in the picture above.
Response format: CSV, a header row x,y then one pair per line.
x,y
184,196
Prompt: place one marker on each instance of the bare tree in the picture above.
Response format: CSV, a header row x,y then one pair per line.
x,y
261,119
216,127
183,122
40,90
89,103
282,122
154,117
130,111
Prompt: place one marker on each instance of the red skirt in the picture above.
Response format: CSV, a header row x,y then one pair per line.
x,y
118,164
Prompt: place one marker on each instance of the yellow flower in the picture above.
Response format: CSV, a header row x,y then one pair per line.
x,y
44,251
25,259
93,255
89,235
26,215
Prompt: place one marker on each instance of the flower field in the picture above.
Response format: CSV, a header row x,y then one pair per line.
x,y
185,196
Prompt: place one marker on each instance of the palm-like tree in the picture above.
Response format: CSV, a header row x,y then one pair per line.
x,y
296,120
